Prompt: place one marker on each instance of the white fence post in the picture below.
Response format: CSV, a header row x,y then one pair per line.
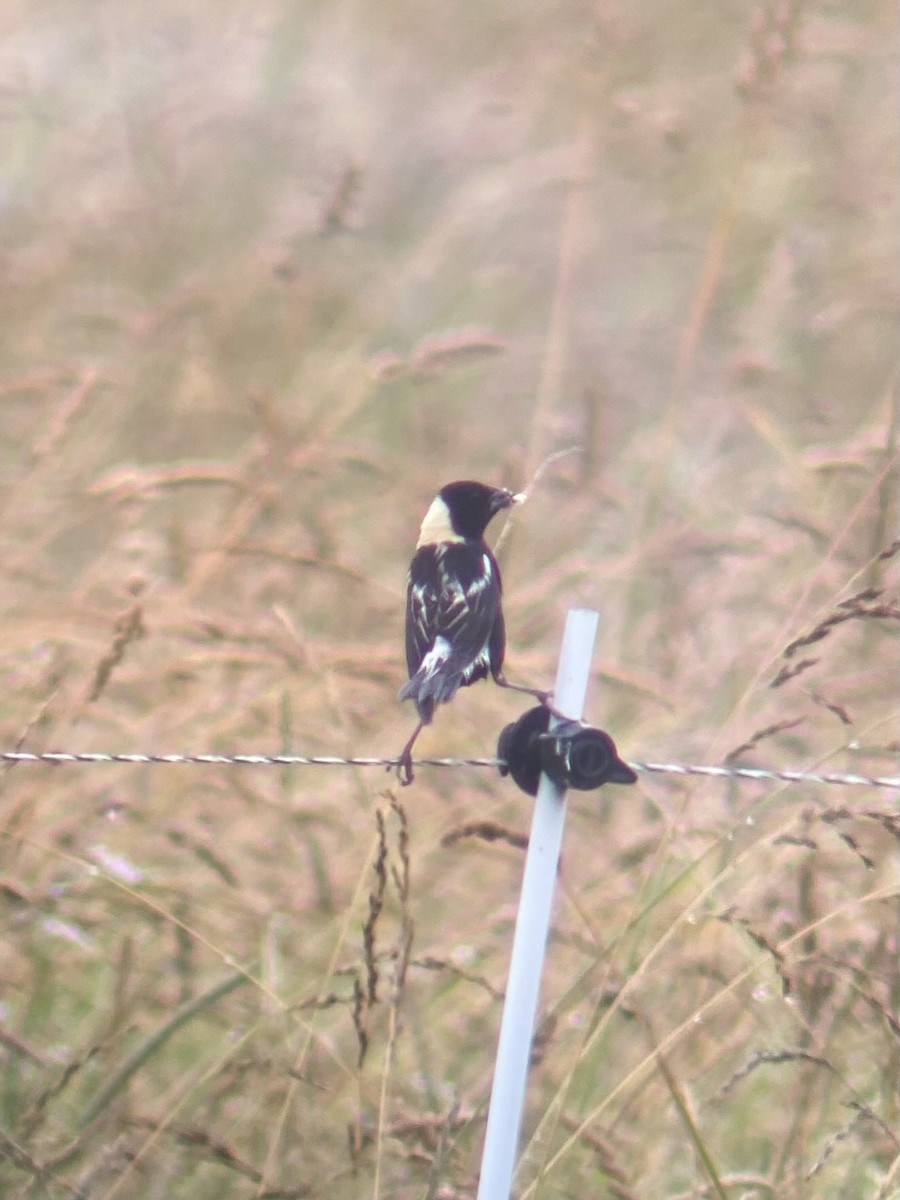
x,y
532,926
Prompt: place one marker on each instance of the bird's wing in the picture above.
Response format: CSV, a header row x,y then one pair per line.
x,y
453,594
422,604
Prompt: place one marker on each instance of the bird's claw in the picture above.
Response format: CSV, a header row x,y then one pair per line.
x,y
405,774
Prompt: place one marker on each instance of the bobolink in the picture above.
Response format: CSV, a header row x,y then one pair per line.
x,y
455,632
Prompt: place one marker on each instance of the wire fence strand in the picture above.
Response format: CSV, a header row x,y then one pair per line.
x,y
759,774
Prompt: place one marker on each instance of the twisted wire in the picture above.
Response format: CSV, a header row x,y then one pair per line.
x,y
760,774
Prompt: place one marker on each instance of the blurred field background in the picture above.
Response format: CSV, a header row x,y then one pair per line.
x,y
273,273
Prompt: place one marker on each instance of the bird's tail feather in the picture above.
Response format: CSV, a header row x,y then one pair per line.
x,y
440,675
428,689
436,681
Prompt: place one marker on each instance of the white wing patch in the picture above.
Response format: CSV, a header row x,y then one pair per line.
x,y
435,658
483,660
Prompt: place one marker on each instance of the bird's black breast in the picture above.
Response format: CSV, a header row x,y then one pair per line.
x,y
454,593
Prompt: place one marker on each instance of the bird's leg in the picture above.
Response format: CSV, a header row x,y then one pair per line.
x,y
542,697
404,762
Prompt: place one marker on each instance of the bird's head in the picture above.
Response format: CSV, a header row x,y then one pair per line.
x,y
463,510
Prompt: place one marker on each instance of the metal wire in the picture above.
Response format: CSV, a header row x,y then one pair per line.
x,y
881,781
760,774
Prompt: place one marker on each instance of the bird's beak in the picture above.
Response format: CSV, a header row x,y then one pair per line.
x,y
519,497
503,498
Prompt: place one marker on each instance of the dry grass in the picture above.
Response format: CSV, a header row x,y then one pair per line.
x,y
272,274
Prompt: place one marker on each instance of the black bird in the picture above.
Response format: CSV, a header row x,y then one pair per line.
x,y
455,634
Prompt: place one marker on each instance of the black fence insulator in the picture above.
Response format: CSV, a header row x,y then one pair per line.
x,y
574,755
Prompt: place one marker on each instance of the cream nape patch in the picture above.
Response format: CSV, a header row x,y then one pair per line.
x,y
437,526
